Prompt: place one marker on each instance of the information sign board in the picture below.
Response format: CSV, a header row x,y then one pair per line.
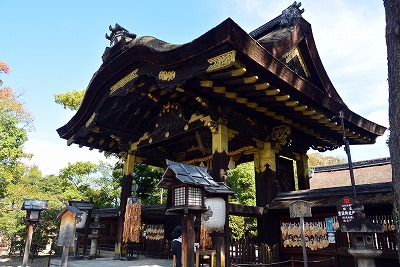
x,y
300,209
345,210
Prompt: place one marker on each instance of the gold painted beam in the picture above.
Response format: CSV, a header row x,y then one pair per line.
x,y
272,92
262,86
261,109
219,89
291,103
230,95
324,120
331,124
242,100
129,164
309,112
228,74
220,139
206,83
317,116
246,80
282,97
264,156
252,87
300,108
134,145
252,105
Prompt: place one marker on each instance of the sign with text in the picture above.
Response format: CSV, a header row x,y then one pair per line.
x,y
300,209
329,225
345,210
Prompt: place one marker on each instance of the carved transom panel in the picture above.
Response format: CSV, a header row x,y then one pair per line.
x,y
170,118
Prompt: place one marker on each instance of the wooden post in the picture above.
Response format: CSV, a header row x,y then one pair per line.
x,y
266,189
125,193
302,172
220,162
220,158
219,245
188,239
27,245
64,257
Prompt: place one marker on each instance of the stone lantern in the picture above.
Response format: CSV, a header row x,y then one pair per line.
x,y
361,234
189,186
95,228
82,224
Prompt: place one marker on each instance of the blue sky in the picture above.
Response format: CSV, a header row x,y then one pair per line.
x,y
56,46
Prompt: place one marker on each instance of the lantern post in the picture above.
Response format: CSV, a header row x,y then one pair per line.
x,y
189,186
33,208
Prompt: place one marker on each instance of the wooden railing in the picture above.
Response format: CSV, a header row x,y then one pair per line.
x,y
247,251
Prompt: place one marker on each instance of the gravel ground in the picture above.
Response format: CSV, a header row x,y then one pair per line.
x,y
41,261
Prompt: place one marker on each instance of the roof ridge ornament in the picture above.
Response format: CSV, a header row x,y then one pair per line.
x,y
289,17
117,33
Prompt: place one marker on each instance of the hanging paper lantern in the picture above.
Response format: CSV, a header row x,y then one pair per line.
x,y
214,218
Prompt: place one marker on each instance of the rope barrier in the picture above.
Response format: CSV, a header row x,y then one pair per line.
x,y
260,264
281,262
328,259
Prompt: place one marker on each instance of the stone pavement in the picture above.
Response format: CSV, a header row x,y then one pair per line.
x,y
109,262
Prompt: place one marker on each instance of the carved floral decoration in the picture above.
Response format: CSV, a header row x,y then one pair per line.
x,y
280,137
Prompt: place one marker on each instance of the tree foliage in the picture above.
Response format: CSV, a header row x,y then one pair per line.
x,y
242,181
15,122
93,182
70,100
3,69
318,159
147,178
49,188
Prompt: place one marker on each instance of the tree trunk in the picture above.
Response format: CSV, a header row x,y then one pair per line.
x,y
392,10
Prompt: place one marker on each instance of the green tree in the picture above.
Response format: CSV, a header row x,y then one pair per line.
x,y
147,178
15,122
93,182
70,100
49,188
242,180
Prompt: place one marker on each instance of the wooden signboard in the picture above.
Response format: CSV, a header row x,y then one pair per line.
x,y
68,226
300,209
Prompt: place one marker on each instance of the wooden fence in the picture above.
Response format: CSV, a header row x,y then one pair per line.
x,y
247,251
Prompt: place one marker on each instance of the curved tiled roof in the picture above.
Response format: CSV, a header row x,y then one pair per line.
x,y
365,172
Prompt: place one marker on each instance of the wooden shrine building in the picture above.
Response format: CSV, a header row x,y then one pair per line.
x,y
227,97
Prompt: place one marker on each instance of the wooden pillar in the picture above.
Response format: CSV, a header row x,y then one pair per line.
x,y
126,192
220,162
28,244
188,239
302,172
266,189
220,158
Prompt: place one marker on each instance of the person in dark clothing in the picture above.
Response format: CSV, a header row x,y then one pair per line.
x,y
177,245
